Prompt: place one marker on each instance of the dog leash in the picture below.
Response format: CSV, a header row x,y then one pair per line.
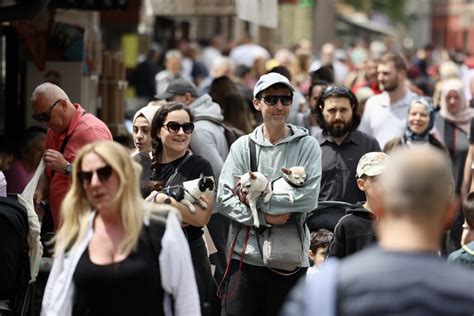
x,y
219,293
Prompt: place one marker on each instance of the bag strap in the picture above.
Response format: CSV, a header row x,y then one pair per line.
x,y
253,155
208,118
178,168
61,150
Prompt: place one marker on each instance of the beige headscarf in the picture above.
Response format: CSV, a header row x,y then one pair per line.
x,y
462,119
148,112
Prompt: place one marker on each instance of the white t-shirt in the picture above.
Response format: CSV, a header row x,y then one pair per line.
x,y
383,120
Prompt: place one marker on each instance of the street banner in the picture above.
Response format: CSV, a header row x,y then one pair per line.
x,y
193,7
260,12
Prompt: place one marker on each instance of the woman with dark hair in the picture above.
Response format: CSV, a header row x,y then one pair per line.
x,y
420,121
173,164
220,87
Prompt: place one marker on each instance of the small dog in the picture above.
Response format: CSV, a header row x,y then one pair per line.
x,y
253,185
292,178
189,192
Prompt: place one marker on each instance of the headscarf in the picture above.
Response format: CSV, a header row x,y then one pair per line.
x,y
148,112
424,136
462,119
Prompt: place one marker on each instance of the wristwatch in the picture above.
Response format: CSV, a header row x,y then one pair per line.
x,y
68,169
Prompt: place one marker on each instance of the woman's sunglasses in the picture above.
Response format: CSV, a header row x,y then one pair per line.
x,y
103,174
273,99
173,127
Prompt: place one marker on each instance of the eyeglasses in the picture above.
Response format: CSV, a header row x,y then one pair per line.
x,y
46,116
273,99
103,173
173,127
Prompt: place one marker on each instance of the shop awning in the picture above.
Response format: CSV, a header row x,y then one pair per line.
x,y
367,24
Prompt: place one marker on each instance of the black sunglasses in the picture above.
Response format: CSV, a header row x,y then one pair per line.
x,y
173,127
46,116
273,99
103,173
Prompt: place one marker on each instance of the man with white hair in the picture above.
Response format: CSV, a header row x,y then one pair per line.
x,y
328,58
173,70
404,274
69,129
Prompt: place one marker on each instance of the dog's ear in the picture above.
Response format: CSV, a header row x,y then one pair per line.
x,y
286,171
252,175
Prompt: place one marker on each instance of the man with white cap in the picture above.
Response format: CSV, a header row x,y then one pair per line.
x,y
251,287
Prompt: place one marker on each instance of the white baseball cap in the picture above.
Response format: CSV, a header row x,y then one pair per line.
x,y
269,80
371,164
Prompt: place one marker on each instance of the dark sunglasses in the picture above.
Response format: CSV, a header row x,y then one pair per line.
x,y
273,99
103,173
45,116
173,127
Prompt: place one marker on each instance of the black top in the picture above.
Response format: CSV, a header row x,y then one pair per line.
x,y
379,282
354,232
339,164
192,169
129,287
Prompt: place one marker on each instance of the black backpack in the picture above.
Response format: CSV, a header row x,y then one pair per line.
x,y
14,260
231,133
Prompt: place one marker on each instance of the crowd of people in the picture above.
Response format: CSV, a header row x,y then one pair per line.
x,y
187,222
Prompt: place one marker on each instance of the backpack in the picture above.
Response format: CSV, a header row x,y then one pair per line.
x,y
14,260
231,133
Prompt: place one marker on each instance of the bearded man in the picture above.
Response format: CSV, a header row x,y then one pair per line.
x,y
337,112
385,114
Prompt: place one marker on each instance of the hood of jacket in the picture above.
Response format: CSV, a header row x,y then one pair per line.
x,y
204,106
359,210
295,133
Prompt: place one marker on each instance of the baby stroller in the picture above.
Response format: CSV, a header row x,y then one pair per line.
x,y
15,287
326,215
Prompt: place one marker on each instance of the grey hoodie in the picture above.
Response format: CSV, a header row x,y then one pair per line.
x,y
208,139
298,149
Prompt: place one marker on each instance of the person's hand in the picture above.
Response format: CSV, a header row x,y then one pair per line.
x,y
162,198
38,204
277,219
54,160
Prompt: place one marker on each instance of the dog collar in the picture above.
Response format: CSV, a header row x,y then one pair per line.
x,y
292,184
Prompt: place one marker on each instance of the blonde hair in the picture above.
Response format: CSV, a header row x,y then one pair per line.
x,y
76,209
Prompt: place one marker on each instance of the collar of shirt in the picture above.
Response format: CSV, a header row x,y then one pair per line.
x,y
385,100
325,137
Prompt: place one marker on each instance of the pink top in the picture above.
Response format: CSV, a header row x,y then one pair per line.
x,y
84,128
17,177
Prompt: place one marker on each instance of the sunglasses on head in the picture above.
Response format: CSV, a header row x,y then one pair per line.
x,y
273,99
103,174
45,116
173,127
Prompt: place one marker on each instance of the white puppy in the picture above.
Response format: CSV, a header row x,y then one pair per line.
x,y
292,178
254,185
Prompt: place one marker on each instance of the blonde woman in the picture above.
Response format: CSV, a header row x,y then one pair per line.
x,y
110,259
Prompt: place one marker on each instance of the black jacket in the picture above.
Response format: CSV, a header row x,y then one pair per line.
x,y
353,232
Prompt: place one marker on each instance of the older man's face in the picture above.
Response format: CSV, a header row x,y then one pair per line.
x,y
51,113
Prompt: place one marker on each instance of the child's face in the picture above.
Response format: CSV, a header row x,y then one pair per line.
x,y
318,256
